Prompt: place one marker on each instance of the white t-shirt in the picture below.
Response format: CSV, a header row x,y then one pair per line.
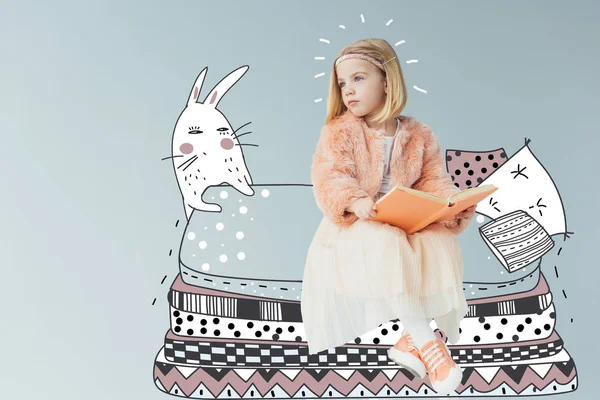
x,y
389,140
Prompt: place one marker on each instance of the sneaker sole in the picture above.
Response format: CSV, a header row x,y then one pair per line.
x,y
456,380
407,361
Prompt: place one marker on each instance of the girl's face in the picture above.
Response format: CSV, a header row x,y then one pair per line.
x,y
362,86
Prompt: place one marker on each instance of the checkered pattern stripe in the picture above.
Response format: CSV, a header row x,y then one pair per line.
x,y
290,312
507,353
247,354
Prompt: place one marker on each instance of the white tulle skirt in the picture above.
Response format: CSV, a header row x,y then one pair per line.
x,y
358,277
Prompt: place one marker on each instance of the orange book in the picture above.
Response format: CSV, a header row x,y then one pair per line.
x,y
412,210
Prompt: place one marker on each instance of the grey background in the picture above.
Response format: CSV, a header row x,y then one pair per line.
x,y
90,95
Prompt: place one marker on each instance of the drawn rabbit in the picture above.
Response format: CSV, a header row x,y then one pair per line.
x,y
205,149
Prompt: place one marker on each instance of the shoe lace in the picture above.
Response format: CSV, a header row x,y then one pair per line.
x,y
411,344
434,356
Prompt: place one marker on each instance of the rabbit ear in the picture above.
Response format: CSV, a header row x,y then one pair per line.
x,y
197,87
224,85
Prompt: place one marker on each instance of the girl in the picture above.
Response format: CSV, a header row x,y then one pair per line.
x,y
360,273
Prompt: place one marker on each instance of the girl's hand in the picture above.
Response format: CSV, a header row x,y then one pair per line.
x,y
364,208
466,214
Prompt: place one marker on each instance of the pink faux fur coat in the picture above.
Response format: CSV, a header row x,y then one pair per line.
x,y
349,159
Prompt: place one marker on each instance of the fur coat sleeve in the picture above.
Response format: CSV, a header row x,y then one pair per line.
x,y
436,180
333,175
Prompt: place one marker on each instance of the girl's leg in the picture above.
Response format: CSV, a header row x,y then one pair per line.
x,y
419,329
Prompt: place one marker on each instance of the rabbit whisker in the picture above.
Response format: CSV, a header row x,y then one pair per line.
x,y
242,134
187,161
166,158
246,144
191,162
242,126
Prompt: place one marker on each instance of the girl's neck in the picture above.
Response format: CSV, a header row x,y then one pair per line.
x,y
389,126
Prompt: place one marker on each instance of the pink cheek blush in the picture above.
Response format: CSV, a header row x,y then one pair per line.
x,y
186,148
227,144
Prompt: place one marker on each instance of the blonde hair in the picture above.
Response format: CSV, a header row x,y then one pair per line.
x,y
396,97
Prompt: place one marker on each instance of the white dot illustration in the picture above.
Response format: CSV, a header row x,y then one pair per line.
x,y
191,236
241,255
202,244
224,194
223,258
251,219
194,255
205,267
265,193
239,235
480,218
243,210
220,226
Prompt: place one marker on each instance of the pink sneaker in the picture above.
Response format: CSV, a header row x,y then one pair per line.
x,y
444,374
405,354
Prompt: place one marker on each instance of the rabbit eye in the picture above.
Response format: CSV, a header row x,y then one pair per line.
x,y
194,130
223,129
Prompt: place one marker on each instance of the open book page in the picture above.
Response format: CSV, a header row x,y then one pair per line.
x,y
419,193
469,192
408,209
470,197
412,209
